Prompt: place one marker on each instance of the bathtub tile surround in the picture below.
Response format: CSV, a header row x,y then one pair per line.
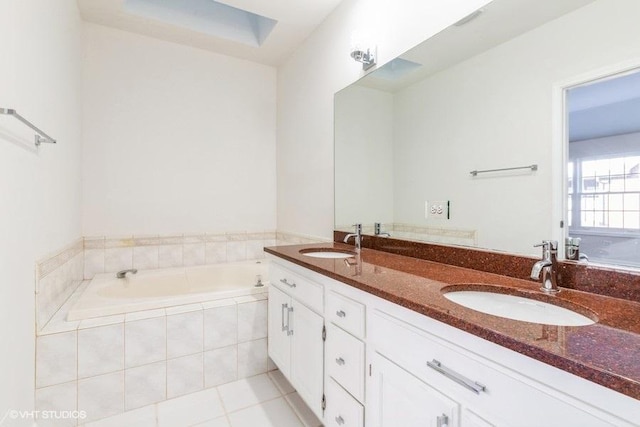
x,y
57,277
124,362
144,258
116,259
56,359
194,253
145,385
146,341
220,325
100,350
59,398
101,396
111,254
252,357
185,334
171,255
248,328
99,321
146,357
220,366
185,375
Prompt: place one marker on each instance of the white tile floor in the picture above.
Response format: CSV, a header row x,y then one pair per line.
x,y
266,400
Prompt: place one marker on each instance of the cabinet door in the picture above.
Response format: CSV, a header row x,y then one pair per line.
x,y
398,399
279,342
307,360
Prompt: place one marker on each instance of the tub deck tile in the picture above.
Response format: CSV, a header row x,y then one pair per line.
x,y
101,321
145,314
186,308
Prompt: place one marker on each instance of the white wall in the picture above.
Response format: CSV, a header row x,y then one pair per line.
x,y
40,189
495,110
363,156
308,81
177,140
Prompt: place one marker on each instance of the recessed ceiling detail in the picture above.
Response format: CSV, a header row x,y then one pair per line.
x,y
206,16
396,69
262,31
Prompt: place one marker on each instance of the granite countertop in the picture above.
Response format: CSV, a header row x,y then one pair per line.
x,y
606,352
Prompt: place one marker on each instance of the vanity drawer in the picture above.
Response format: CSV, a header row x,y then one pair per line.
x,y
342,409
412,348
499,392
346,313
345,360
302,289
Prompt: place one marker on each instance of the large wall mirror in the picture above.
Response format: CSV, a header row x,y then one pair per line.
x,y
479,96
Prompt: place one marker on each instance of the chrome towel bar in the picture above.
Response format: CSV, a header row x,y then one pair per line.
x,y
532,167
39,139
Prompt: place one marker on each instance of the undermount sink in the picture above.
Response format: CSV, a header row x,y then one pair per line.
x,y
327,253
517,307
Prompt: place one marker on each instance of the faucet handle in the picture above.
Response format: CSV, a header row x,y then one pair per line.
x,y
551,245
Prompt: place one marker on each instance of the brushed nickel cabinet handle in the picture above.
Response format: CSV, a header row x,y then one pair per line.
x,y
291,285
284,307
453,375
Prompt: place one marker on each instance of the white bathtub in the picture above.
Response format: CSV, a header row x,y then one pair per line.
x,y
107,295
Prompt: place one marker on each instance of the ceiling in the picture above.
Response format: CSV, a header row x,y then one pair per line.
x,y
500,21
605,107
296,20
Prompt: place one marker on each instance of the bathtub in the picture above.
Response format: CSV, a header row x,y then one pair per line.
x,y
107,295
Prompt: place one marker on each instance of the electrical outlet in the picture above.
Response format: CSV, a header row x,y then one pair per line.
x,y
437,209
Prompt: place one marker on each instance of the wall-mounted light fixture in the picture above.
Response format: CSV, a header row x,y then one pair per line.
x,y
367,58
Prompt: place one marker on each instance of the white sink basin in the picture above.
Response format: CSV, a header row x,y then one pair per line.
x,y
320,253
518,308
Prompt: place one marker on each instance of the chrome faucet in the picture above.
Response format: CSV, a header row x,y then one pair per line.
x,y
548,266
357,236
123,273
378,230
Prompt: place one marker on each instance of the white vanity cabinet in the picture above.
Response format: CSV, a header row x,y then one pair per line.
x,y
295,336
443,383
383,365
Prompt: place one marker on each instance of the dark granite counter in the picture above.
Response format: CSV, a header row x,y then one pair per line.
x,y
607,352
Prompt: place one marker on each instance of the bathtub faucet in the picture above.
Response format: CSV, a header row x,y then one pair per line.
x,y
123,273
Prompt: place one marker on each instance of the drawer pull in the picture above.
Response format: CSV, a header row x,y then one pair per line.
x,y
339,420
291,285
340,361
463,381
442,421
341,313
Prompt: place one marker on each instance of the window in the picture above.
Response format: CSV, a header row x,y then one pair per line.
x,y
606,193
603,168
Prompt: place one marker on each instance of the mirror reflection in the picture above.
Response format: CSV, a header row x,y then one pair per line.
x,y
603,170
478,96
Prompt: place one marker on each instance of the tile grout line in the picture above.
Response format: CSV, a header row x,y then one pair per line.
x,y
224,409
293,409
